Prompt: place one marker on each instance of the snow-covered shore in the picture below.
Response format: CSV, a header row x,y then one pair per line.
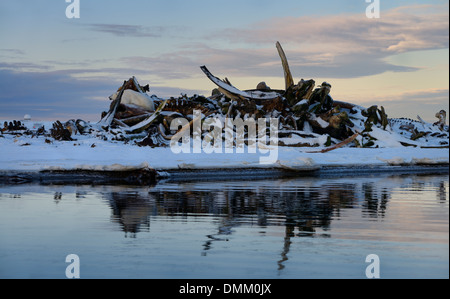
x,y
27,154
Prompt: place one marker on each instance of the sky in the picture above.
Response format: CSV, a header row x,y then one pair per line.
x,y
57,68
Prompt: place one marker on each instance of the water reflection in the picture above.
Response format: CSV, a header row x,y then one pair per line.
x,y
376,201
288,211
131,210
442,193
303,206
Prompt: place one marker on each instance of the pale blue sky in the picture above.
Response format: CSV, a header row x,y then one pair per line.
x,y
53,67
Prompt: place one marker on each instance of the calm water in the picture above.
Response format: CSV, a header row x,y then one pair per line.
x,y
284,228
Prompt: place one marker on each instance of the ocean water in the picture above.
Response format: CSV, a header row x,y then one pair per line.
x,y
291,228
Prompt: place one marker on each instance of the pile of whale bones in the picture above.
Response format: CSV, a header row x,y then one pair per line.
x,y
307,116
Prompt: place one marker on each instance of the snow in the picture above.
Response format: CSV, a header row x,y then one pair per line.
x,y
321,122
88,152
386,138
295,139
301,103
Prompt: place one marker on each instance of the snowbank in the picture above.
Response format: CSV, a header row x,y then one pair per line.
x,y
36,154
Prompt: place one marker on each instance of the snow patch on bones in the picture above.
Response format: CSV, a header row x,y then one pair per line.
x,y
324,124
386,138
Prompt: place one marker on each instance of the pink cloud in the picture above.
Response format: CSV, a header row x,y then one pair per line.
x,y
336,46
398,30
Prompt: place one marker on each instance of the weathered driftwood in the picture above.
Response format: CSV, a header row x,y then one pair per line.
x,y
442,116
339,145
302,91
321,96
346,105
375,116
59,132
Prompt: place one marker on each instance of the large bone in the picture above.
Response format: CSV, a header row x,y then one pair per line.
x,y
234,93
143,125
287,72
109,117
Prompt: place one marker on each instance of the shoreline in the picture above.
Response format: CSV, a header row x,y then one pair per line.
x,y
149,176
92,159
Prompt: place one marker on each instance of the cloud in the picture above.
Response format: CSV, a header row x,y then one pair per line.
x,y
51,94
173,65
336,46
339,46
398,30
65,94
127,30
22,66
263,62
12,52
317,46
